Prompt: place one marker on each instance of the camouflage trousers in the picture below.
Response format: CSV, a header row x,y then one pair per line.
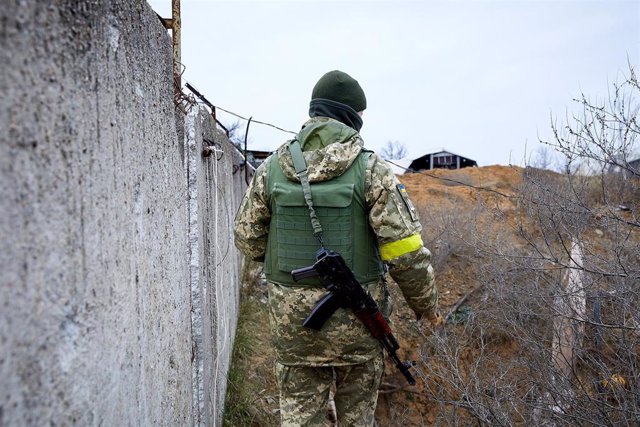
x,y
305,392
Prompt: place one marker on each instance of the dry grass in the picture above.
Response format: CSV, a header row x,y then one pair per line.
x,y
252,398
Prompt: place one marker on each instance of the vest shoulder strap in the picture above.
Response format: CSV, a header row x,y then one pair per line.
x,y
300,166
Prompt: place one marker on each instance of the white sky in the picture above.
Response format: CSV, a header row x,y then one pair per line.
x,y
480,78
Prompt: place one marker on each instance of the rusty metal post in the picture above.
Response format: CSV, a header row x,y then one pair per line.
x,y
175,30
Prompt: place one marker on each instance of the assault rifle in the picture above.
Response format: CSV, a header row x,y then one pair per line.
x,y
346,292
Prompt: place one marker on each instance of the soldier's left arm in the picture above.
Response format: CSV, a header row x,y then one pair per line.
x,y
251,225
395,221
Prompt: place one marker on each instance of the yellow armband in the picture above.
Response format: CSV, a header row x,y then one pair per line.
x,y
398,248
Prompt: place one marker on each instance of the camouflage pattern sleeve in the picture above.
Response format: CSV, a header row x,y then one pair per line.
x,y
251,225
395,221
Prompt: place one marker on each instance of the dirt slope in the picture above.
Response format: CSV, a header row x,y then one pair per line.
x,y
445,199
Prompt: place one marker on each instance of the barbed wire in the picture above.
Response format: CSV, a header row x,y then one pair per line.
x,y
206,102
255,121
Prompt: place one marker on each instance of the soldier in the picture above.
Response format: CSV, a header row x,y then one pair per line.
x,y
367,217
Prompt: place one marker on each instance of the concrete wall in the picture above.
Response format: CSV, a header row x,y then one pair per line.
x,y
216,184
97,226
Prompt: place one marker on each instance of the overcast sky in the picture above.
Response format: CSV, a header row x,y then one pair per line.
x,y
479,78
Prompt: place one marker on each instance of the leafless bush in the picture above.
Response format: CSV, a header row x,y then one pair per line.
x,y
448,229
501,366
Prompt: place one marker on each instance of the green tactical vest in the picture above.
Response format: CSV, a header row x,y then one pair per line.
x,y
341,209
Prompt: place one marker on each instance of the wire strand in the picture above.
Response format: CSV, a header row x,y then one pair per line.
x,y
206,102
255,121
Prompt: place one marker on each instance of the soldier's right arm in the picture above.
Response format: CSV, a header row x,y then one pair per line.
x,y
251,225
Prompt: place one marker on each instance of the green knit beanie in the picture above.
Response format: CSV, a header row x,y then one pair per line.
x,y
340,87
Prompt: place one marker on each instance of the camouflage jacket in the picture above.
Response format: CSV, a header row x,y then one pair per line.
x,y
329,148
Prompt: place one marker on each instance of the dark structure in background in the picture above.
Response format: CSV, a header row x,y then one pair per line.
x,y
441,160
256,157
